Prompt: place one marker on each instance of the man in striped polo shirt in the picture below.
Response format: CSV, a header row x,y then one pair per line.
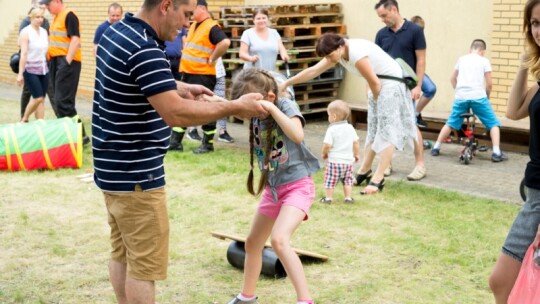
x,y
136,102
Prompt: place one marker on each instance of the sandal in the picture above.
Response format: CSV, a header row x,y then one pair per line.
x,y
360,178
379,186
349,200
325,200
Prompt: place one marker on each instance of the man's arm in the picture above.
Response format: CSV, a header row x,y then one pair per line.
x,y
489,83
453,78
72,26
420,70
178,111
221,49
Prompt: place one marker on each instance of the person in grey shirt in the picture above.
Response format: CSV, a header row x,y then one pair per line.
x,y
260,44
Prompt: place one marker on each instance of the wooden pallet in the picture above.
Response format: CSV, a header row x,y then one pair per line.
x,y
304,8
311,29
240,11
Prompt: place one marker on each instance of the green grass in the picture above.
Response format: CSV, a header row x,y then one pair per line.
x,y
408,244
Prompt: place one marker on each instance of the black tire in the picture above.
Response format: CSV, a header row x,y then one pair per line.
x,y
467,156
523,190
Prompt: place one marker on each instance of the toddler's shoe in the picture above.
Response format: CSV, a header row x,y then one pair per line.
x,y
349,200
435,152
325,200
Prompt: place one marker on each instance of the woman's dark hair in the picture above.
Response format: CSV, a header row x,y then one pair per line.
x,y
255,80
262,11
328,43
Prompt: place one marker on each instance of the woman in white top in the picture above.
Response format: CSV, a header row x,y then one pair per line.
x,y
260,44
391,123
33,68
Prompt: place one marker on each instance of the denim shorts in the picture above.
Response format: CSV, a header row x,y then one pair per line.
x,y
428,87
524,229
480,107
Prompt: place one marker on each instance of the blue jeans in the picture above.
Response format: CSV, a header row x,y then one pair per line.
x,y
428,87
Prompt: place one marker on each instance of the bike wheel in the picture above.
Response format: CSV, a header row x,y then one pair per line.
x,y
467,156
523,190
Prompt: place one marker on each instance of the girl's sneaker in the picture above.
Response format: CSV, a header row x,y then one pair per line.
x,y
236,300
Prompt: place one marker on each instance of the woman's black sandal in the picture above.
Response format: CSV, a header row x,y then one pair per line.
x,y
360,178
379,186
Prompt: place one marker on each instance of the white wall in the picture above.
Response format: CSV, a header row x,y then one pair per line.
x,y
450,28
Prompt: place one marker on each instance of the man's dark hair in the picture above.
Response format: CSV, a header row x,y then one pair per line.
x,y
478,44
386,4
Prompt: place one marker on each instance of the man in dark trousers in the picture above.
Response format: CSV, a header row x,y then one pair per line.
x,y
205,44
65,57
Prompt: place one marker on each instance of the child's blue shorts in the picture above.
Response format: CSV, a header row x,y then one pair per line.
x,y
480,107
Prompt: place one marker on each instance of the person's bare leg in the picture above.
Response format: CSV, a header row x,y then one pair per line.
x,y
140,292
503,277
117,274
260,230
288,220
419,149
40,111
329,192
378,176
422,103
443,135
367,162
31,108
347,189
495,134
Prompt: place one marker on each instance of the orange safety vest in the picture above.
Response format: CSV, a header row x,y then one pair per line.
x,y
59,40
198,49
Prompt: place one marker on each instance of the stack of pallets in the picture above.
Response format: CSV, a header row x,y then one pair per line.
x,y
300,26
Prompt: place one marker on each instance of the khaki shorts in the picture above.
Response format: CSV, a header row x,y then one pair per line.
x,y
140,232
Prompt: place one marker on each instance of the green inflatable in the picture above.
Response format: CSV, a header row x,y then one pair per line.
x,y
41,144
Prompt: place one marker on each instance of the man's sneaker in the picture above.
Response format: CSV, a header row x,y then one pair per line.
x,y
498,157
417,174
420,122
435,152
85,140
194,135
236,300
225,137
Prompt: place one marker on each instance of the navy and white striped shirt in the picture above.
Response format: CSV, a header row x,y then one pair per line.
x,y
129,138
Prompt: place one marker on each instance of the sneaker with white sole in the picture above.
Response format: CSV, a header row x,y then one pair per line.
x,y
417,174
225,137
236,300
194,135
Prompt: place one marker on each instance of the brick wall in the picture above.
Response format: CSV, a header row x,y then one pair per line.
x,y
91,14
507,46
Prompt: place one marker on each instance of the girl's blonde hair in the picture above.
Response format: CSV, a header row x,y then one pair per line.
x,y
531,47
340,108
255,80
35,11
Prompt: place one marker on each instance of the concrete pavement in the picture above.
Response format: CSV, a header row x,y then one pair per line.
x,y
482,177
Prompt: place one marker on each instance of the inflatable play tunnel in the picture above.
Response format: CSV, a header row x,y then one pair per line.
x,y
41,144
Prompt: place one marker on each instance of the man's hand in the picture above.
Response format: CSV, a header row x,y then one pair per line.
x,y
191,91
250,106
416,92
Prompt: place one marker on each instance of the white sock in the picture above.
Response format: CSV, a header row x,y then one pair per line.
x,y
496,150
241,297
305,302
437,145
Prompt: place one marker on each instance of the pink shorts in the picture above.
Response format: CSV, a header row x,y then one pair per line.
x,y
299,194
